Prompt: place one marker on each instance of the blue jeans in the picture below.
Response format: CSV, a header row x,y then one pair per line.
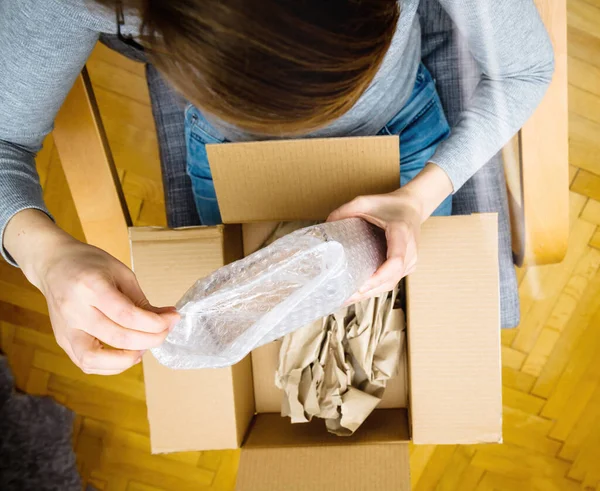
x,y
421,124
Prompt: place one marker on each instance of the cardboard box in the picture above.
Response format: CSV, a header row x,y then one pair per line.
x,y
453,362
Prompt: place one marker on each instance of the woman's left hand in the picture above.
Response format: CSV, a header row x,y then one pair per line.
x,y
400,214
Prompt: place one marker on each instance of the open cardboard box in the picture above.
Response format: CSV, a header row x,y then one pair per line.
x,y
453,394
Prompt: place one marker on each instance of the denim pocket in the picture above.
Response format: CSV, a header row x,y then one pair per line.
x,y
200,127
199,133
422,97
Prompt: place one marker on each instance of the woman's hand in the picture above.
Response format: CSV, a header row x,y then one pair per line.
x,y
400,214
92,297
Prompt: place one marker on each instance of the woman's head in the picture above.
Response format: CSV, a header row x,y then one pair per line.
x,y
269,66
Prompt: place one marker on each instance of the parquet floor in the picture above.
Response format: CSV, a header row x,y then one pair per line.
x,y
551,364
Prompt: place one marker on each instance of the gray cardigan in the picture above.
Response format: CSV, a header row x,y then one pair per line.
x,y
45,43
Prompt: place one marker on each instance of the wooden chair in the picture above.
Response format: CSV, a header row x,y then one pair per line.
x,y
536,166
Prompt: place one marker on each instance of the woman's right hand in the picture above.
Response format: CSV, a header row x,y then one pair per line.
x,y
92,297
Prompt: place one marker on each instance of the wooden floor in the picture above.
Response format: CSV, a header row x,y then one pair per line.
x,y
551,364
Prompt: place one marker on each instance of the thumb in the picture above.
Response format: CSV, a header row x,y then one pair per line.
x,y
357,207
170,314
130,287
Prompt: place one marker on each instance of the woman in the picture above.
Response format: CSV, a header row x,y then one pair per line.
x,y
253,69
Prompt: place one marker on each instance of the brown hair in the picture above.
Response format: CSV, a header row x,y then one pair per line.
x,y
269,66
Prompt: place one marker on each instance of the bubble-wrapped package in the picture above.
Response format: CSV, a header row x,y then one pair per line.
x,y
299,278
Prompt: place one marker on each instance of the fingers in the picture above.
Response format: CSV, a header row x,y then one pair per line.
x,y
89,355
385,279
119,308
129,285
104,329
402,259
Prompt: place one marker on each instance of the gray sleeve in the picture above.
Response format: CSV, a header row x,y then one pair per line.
x,y
43,48
510,43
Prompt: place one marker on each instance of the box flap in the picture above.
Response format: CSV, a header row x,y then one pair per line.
x,y
282,456
300,179
380,467
169,261
454,332
181,402
197,409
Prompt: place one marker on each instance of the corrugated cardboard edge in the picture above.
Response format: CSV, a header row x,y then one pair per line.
x,y
454,348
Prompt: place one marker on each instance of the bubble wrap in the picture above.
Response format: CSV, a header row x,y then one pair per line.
x,y
297,279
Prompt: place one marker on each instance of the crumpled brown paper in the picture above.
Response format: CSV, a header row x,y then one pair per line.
x,y
337,368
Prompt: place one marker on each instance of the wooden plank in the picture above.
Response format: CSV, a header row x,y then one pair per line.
x,y
152,214
557,277
7,335
590,418
109,76
24,316
90,171
143,187
585,104
118,111
37,383
64,367
107,406
419,457
584,75
522,401
23,297
584,354
584,147
536,359
471,478
42,160
518,463
578,401
572,173
38,340
511,155
455,471
574,290
112,58
59,199
512,358
595,240
546,238
591,211
584,16
583,45
517,380
573,331
587,184
436,467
